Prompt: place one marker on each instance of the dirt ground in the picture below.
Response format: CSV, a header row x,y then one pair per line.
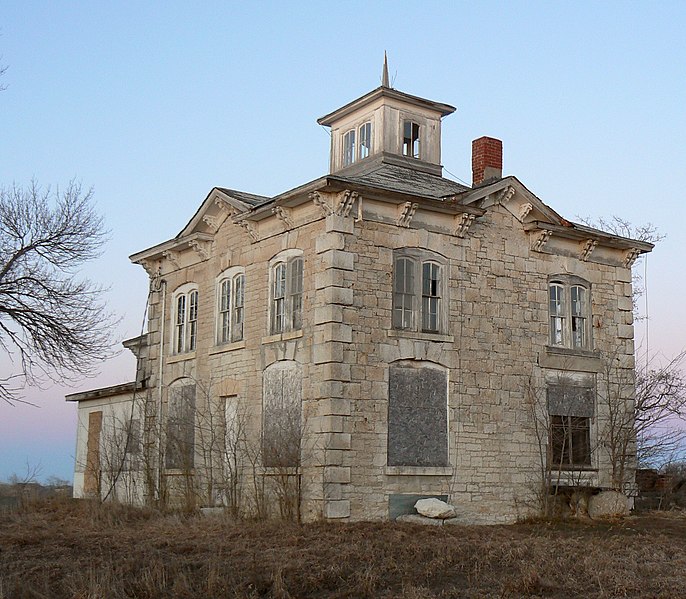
x,y
81,550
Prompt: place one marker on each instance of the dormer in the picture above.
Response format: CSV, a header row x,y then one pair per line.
x,y
389,126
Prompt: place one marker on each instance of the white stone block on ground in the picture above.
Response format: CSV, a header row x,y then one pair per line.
x,y
434,508
608,503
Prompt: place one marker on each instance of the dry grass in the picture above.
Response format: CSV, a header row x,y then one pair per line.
x,y
80,550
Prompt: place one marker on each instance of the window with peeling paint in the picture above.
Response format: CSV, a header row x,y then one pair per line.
x,y
569,309
418,291
287,295
231,305
185,319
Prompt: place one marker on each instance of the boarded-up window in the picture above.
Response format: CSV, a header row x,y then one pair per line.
x,y
91,482
180,444
417,417
571,409
282,398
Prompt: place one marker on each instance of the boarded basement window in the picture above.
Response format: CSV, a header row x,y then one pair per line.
x,y
282,398
417,417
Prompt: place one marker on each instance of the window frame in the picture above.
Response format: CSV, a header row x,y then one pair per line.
x,y
566,313
286,292
411,146
571,399
184,316
364,140
349,147
415,318
230,312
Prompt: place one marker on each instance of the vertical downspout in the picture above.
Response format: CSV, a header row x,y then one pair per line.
x,y
163,288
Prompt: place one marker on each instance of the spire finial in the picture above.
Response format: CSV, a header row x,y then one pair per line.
x,y
384,75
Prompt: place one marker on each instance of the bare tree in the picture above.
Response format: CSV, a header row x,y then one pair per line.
x,y
648,430
53,325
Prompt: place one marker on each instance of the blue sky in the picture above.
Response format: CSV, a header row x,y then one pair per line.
x,y
152,104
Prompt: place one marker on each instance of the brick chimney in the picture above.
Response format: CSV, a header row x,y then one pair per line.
x,y
487,160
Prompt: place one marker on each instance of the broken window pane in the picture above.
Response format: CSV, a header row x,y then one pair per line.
x,y
411,139
238,298
556,314
578,303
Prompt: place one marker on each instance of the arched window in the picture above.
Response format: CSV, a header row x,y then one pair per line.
x,y
569,309
349,147
365,140
185,319
286,292
418,300
230,305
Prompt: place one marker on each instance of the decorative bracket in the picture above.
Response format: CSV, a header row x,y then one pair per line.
x,y
505,195
631,257
284,215
541,240
321,203
202,248
463,222
345,204
250,229
212,222
221,204
152,268
588,248
405,213
172,257
524,210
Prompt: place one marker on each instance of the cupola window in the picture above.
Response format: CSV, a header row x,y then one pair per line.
x,y
411,139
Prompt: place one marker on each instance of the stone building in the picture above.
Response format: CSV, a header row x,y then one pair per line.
x,y
374,336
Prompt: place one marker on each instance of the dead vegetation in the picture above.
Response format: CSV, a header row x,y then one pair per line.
x,y
78,549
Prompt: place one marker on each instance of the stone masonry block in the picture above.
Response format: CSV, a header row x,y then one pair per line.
x,y
338,295
331,277
338,441
341,224
337,474
327,352
338,259
328,313
335,371
329,241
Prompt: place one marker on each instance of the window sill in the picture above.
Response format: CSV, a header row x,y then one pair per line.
x,y
419,471
564,358
283,336
227,347
416,335
181,357
572,351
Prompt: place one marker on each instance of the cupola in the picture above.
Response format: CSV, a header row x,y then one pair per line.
x,y
389,126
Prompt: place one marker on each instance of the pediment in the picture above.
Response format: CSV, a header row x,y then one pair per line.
x,y
515,198
219,205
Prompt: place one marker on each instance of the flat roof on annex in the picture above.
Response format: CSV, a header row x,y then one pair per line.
x,y
387,123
